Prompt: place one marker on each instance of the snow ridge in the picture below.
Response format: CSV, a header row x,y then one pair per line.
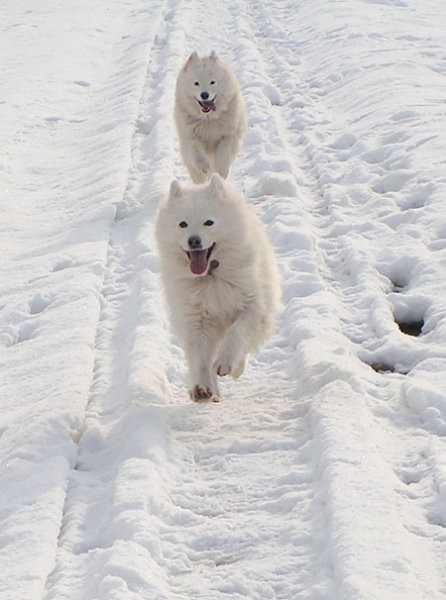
x,y
94,486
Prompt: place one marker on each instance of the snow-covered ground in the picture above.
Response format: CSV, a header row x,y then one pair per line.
x,y
322,475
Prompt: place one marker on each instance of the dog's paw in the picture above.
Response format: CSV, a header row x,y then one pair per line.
x,y
223,171
199,177
238,368
203,394
223,369
202,163
229,367
200,171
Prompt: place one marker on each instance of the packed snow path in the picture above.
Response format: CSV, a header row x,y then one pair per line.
x,y
322,474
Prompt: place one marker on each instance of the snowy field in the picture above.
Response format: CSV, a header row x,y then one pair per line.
x,y
322,474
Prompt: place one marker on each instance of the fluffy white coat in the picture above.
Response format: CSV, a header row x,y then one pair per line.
x,y
220,277
210,116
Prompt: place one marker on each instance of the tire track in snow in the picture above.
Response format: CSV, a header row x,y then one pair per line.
x,y
247,477
358,426
84,568
215,535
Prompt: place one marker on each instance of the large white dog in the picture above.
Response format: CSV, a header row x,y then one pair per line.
x,y
210,116
221,279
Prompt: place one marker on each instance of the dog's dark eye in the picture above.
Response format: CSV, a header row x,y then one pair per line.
x,y
212,82
208,223
183,224
197,83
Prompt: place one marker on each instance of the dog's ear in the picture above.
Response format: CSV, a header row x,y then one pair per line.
x,y
192,58
213,56
217,186
175,191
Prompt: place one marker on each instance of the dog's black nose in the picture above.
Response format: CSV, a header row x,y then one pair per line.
x,y
204,95
194,242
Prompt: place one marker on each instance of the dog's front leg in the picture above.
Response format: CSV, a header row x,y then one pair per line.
x,y
238,340
197,161
201,349
224,154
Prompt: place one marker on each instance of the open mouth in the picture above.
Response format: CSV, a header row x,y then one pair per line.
x,y
199,260
207,105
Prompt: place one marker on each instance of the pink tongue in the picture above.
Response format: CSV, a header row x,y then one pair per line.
x,y
198,261
208,104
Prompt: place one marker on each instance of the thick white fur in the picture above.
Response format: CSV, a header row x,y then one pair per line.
x,y
209,142
226,313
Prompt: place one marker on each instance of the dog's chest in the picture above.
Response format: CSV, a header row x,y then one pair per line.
x,y
217,299
211,131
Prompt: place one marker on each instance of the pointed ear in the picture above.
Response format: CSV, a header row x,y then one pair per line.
x,y
175,191
192,58
217,185
213,56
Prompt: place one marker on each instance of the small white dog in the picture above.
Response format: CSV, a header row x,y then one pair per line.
x,y
210,116
220,277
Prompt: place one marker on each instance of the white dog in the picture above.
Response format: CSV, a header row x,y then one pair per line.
x,y
220,277
210,116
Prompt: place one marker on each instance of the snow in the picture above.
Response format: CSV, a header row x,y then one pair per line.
x,y
322,474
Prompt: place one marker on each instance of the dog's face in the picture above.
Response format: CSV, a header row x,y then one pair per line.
x,y
196,224
196,228
206,84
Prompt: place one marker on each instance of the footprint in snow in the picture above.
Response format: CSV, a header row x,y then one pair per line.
x,y
346,141
63,264
39,303
409,313
393,182
276,184
17,334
